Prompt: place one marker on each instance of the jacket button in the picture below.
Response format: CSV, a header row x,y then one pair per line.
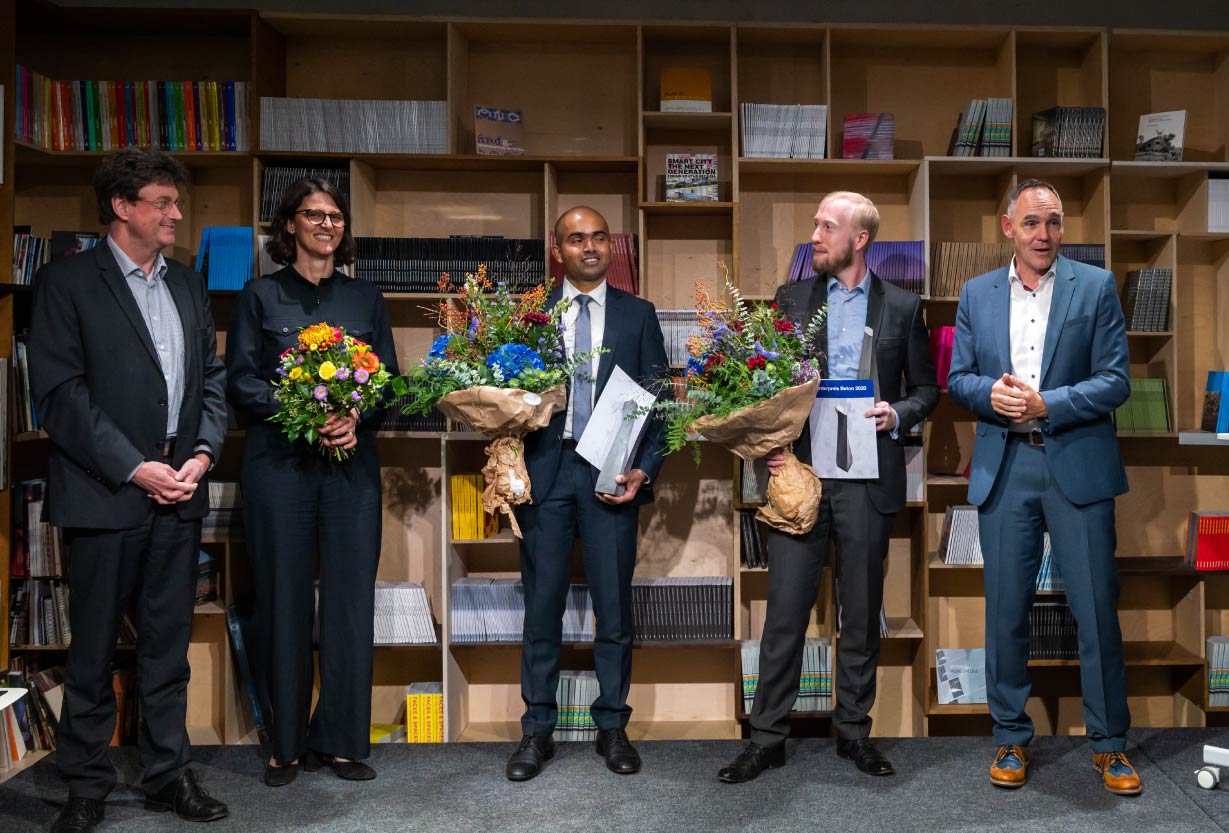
x,y
162,402
285,329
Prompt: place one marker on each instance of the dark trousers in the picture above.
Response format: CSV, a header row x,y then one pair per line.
x,y
861,535
1083,540
608,543
156,562
295,509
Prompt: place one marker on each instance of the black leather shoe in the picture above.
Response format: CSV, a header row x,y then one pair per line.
x,y
864,756
187,799
79,815
621,757
280,776
526,762
349,770
752,761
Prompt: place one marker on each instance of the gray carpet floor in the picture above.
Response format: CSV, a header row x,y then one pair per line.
x,y
941,785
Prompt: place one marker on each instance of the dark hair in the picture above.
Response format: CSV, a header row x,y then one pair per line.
x,y
1021,187
282,247
124,173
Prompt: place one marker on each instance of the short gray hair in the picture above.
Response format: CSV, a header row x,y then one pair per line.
x,y
1028,185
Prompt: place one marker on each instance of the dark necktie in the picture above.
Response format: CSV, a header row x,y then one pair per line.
x,y
582,384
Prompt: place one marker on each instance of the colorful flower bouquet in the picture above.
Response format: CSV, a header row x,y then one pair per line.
x,y
499,367
751,380
329,372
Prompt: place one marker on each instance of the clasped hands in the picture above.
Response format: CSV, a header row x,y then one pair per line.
x,y
1010,397
166,486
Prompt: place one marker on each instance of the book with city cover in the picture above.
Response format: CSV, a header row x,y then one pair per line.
x,y
1159,138
498,132
686,90
691,177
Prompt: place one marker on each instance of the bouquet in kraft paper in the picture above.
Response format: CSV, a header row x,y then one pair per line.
x,y
750,383
500,368
328,372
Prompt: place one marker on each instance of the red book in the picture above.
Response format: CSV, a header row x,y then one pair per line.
x,y
189,105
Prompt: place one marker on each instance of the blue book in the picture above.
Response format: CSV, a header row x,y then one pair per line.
x,y
1222,419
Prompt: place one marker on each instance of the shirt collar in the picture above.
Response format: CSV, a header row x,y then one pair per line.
x,y
598,294
1014,277
128,267
861,285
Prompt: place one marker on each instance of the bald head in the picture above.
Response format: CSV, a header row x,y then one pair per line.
x,y
582,245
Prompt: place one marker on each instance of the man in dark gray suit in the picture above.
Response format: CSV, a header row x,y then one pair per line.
x,y
126,380
857,514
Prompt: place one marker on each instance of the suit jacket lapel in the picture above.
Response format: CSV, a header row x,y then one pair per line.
x,y
119,288
1001,316
610,335
1060,303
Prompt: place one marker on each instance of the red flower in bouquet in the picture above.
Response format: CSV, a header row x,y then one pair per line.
x,y
715,360
365,360
783,326
539,319
756,362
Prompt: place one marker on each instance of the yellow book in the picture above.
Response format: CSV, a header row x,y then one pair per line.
x,y
686,90
411,718
387,732
437,701
457,485
479,523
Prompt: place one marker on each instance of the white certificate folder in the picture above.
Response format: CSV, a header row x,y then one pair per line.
x,y
843,443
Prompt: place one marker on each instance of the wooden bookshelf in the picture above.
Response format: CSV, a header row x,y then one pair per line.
x,y
600,138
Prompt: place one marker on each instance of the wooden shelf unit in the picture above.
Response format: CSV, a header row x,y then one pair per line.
x,y
603,144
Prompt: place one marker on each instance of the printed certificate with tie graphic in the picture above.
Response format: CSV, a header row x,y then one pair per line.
x,y
842,439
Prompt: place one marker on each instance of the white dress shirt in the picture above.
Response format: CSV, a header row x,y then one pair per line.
x,y
597,329
1030,313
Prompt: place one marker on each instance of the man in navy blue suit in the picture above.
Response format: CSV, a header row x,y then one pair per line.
x,y
1041,357
566,505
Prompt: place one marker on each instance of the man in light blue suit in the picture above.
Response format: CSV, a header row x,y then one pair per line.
x,y
1041,357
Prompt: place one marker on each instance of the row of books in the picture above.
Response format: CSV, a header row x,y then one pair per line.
x,y
1092,254
784,131
23,401
109,115
683,608
959,543
417,264
942,339
691,177
915,468
395,419
754,553
276,179
1218,204
677,326
470,521
1052,631
1069,132
38,547
225,256
493,610
403,614
225,516
624,270
1146,409
899,262
38,713
575,694
30,252
1145,299
1216,403
869,136
1049,579
1207,541
319,125
954,264
38,614
983,129
815,681
1218,671
424,713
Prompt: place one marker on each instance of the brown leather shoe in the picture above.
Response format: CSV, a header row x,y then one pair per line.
x,y
1010,767
1117,774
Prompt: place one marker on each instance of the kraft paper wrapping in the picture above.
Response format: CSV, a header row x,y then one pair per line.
x,y
753,432
507,414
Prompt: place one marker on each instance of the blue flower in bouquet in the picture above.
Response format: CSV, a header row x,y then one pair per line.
x,y
767,354
695,365
355,396
473,326
439,347
511,359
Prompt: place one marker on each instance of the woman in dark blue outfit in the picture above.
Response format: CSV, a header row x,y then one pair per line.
x,y
301,506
